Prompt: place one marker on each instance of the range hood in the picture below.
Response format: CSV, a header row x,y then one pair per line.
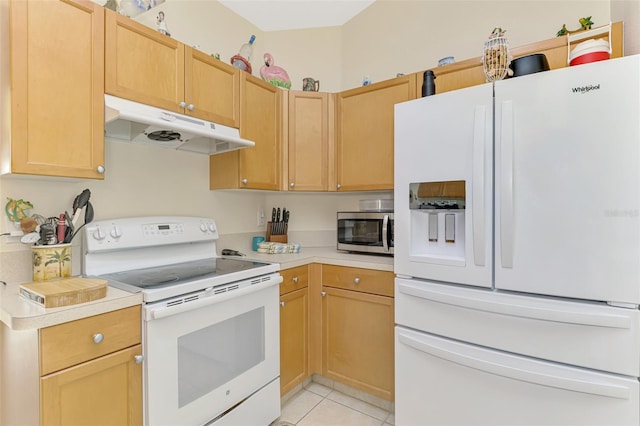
x,y
138,123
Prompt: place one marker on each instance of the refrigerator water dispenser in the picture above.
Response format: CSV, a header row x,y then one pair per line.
x,y
437,212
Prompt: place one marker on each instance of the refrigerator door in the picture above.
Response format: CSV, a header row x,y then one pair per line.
x,y
445,382
568,182
585,334
443,155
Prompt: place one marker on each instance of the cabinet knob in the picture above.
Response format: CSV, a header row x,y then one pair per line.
x,y
191,107
282,304
100,169
98,337
295,280
291,185
356,280
183,104
138,359
245,181
338,186
323,293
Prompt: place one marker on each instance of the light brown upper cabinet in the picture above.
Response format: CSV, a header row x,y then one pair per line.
x,y
149,67
258,167
309,145
56,68
364,148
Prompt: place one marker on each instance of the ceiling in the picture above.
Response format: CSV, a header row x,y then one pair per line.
x,y
276,15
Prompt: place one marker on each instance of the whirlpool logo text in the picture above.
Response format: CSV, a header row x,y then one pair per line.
x,y
585,89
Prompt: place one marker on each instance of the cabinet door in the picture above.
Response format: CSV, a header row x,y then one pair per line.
x,y
261,122
294,336
142,64
308,160
365,134
357,340
57,81
258,167
212,87
104,391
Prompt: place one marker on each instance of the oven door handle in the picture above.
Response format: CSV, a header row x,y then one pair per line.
x,y
152,312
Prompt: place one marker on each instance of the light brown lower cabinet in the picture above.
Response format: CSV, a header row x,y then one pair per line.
x,y
83,372
294,328
357,339
106,391
91,371
337,321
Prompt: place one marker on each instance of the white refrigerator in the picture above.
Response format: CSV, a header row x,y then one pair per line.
x,y
517,251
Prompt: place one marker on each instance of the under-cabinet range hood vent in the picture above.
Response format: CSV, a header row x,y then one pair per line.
x,y
144,124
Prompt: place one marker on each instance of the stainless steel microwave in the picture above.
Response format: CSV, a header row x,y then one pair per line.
x,y
366,232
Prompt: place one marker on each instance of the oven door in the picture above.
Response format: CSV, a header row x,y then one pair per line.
x,y
211,358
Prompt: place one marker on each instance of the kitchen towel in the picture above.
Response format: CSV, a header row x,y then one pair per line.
x,y
278,248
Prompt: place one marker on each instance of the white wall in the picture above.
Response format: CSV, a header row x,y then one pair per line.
x,y
629,12
404,36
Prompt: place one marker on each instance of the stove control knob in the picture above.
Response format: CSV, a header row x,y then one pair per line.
x,y
116,232
203,227
98,234
212,227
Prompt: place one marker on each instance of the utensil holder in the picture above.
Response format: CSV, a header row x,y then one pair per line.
x,y
277,238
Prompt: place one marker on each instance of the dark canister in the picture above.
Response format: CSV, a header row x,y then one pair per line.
x,y
429,84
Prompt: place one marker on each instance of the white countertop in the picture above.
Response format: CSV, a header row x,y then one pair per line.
x,y
327,255
17,313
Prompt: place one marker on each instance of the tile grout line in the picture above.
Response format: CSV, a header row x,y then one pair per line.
x,y
383,422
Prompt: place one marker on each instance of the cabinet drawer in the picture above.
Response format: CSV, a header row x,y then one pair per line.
x,y
364,280
294,279
72,343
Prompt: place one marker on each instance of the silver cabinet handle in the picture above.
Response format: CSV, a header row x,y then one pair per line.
x,y
138,359
100,169
282,304
98,337
338,186
356,280
183,104
323,293
295,280
191,107
244,181
291,185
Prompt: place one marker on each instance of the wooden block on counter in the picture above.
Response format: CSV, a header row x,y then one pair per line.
x,y
65,291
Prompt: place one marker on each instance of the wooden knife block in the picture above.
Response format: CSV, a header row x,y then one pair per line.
x,y
277,238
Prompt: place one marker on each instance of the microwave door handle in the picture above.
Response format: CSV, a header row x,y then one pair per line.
x,y
385,233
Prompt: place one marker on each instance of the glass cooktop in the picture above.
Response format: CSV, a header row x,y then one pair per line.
x,y
178,273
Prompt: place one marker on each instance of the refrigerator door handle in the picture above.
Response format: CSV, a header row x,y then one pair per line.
x,y
506,185
478,184
490,304
515,368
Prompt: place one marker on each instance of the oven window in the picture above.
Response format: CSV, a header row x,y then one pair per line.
x,y
212,356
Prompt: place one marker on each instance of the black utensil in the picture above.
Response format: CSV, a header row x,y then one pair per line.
x,y
80,203
68,234
282,222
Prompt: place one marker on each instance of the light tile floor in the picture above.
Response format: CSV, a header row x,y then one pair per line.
x,y
318,405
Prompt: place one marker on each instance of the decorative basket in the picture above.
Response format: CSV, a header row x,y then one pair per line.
x,y
496,57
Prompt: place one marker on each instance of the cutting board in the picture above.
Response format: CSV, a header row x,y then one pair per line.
x,y
65,291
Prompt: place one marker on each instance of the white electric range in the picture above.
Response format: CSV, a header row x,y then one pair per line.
x,y
210,323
